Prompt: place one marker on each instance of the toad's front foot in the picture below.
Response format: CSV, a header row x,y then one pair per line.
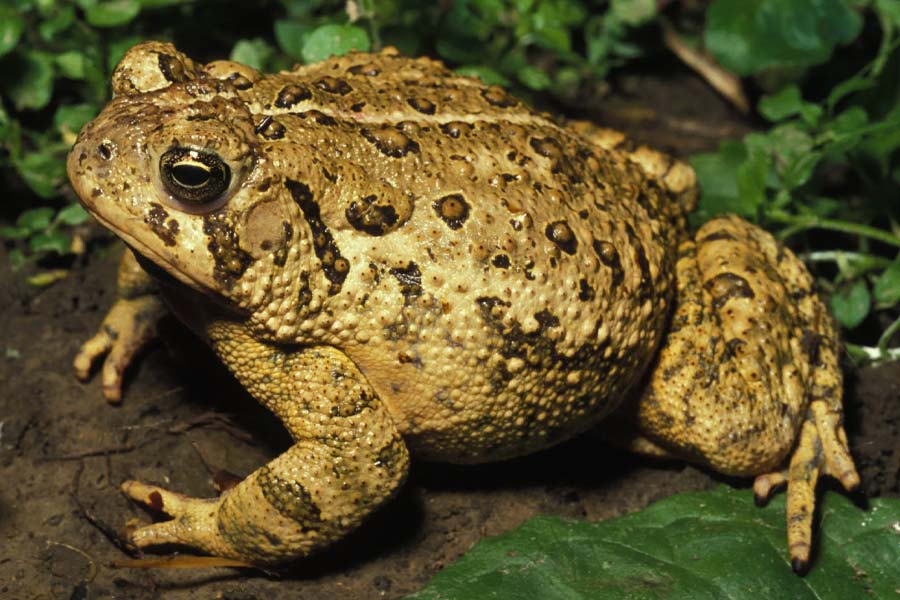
x,y
127,328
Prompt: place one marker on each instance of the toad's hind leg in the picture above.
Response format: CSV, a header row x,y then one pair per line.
x,y
347,460
748,380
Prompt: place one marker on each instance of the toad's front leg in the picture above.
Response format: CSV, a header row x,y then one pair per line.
x,y
347,460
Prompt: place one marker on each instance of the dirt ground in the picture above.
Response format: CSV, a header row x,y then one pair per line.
x,y
63,451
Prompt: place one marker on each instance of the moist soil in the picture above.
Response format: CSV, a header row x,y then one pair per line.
x,y
184,421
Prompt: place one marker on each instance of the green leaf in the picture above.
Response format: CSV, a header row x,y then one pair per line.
x,y
254,53
633,12
60,20
43,171
31,81
748,36
701,545
534,78
485,74
787,103
71,64
290,35
17,259
851,304
112,13
14,233
11,28
334,40
35,219
887,286
73,214
56,241
70,118
717,174
792,150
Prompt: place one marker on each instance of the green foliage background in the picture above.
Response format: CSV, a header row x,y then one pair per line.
x,y
826,73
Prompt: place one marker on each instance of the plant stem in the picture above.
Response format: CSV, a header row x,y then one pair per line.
x,y
874,355
892,329
800,222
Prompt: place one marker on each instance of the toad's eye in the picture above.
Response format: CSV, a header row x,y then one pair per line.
x,y
195,177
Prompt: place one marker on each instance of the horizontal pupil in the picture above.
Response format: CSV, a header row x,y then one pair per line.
x,y
190,175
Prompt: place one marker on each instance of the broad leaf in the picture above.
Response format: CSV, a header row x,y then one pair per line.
x,y
851,305
699,545
334,40
748,36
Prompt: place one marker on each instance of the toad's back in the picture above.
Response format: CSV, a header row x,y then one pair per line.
x,y
506,277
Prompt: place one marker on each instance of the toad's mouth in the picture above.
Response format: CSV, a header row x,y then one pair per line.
x,y
156,266
154,270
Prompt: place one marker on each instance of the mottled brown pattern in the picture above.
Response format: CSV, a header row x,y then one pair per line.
x,y
404,258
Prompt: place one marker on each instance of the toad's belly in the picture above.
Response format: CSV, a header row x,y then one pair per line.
x,y
460,404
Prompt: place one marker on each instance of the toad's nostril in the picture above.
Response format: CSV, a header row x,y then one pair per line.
x,y
105,150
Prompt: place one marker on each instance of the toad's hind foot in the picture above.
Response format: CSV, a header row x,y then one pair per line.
x,y
748,381
821,449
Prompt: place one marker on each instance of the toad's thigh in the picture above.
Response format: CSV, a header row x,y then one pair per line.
x,y
750,346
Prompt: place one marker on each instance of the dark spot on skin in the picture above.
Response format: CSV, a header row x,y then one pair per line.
x,y
410,280
546,320
726,286
811,342
585,291
547,146
496,96
562,235
240,82
290,498
318,116
270,129
105,150
272,538
291,94
352,405
716,235
370,216
156,219
550,148
528,267
224,245
170,68
358,106
731,348
608,255
96,193
329,175
501,261
455,129
391,142
304,296
155,501
452,209
333,85
279,257
391,455
369,70
334,266
424,106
